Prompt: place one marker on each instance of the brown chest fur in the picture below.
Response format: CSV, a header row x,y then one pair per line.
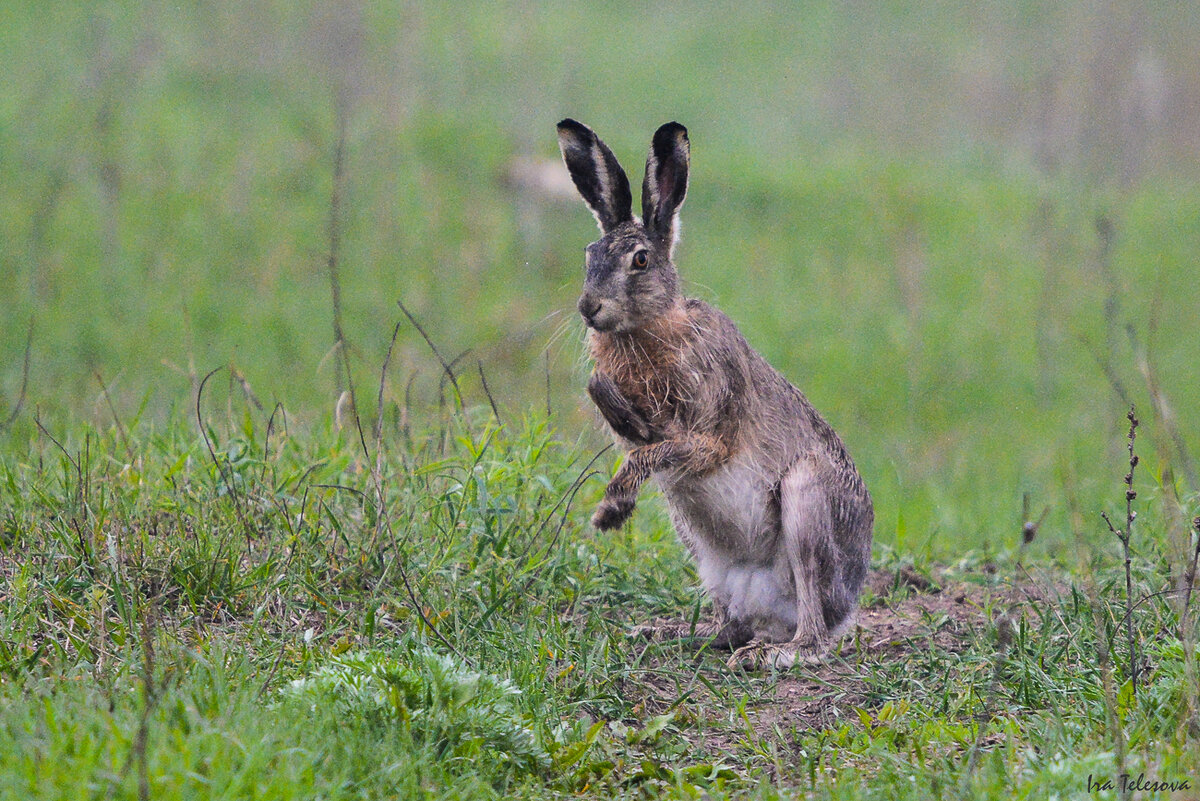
x,y
646,365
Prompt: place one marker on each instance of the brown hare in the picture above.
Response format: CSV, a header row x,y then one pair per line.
x,y
759,487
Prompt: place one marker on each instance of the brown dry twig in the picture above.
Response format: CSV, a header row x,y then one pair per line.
x,y
1124,535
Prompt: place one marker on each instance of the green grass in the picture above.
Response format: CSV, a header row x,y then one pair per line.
x,y
251,626
166,203
876,199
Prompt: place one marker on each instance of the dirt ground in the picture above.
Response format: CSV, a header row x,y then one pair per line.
x,y
904,615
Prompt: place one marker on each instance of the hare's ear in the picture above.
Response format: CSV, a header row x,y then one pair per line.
x,y
666,181
596,173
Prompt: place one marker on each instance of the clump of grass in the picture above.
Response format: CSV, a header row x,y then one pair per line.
x,y
464,715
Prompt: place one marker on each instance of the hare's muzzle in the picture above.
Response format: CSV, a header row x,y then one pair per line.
x,y
589,307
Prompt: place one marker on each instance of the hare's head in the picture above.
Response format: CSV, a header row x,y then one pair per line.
x,y
630,277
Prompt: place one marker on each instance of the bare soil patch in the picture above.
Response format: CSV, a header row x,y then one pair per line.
x,y
905,616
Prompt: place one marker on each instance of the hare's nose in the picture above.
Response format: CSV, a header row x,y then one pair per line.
x,y
588,307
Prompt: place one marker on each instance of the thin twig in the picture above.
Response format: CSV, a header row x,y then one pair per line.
x,y
38,422
362,496
446,368
230,487
453,363
568,498
362,438
387,359
1187,636
1130,515
1190,576
271,674
377,472
116,418
16,410
411,593
79,489
415,604
1124,535
583,476
246,390
488,392
271,427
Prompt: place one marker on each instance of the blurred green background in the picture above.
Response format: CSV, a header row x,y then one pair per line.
x,y
938,220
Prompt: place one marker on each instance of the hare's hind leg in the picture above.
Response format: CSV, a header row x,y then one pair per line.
x,y
806,543
724,631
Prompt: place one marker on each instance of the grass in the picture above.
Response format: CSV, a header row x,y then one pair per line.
x,y
231,593
282,619
939,305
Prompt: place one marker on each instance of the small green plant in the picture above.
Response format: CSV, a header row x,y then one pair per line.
x,y
459,713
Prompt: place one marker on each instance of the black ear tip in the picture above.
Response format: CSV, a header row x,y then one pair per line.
x,y
571,126
671,129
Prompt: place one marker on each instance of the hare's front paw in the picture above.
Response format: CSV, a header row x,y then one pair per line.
x,y
617,409
633,427
613,511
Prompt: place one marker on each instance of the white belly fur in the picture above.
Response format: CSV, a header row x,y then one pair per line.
x,y
730,523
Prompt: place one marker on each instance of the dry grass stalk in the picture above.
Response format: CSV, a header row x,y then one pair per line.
x,y
1124,535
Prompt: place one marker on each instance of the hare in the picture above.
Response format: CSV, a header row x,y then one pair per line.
x,y
759,487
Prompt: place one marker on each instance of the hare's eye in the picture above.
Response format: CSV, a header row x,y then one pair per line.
x,y
640,260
